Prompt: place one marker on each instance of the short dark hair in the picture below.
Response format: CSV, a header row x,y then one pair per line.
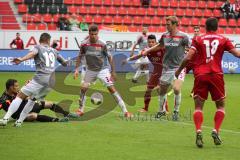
x,y
196,27
10,83
17,33
93,28
211,24
44,37
151,36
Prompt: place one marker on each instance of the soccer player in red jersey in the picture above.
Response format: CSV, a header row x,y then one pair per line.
x,y
18,42
156,60
208,75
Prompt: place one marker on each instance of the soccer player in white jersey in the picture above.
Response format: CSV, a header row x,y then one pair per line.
x,y
142,63
97,58
45,58
174,42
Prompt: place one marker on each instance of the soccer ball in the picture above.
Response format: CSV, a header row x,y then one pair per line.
x,y
96,98
231,70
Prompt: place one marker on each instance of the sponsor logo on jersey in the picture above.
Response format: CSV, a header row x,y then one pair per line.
x,y
171,44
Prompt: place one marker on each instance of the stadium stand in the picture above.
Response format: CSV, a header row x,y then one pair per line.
x,y
120,12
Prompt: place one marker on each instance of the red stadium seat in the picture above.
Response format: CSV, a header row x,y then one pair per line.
x,y
87,2
238,22
132,29
237,30
88,19
203,21
211,4
79,18
92,10
217,13
202,4
156,20
219,4
146,20
82,10
127,3
31,26
68,2
141,11
155,3
47,18
117,20
173,4
97,2
107,2
229,31
150,12
208,13
27,18
127,20
78,2
169,12
102,10
232,23
132,11
182,28
220,30
188,12
117,3
112,11
52,26
136,3
198,13
195,21
22,8
72,9
107,20
137,20
56,17
192,4
179,13
42,26
184,21
202,30
163,21
152,29
161,29
222,22
164,3
97,19
183,4
190,29
160,12
18,1
122,11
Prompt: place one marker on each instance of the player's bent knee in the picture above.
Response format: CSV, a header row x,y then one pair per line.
x,y
31,117
21,95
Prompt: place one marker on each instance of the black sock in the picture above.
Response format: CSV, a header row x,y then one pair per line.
x,y
44,118
56,108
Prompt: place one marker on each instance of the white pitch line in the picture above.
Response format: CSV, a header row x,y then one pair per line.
x,y
183,123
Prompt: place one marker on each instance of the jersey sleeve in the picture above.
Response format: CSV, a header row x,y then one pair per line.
x,y
34,49
228,45
161,40
61,60
194,44
13,42
186,41
139,39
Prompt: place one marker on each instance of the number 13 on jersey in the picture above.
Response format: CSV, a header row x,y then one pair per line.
x,y
211,49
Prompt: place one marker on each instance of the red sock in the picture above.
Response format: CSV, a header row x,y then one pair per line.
x,y
147,99
198,119
218,119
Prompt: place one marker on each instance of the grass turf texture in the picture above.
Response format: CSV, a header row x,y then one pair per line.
x,y
111,137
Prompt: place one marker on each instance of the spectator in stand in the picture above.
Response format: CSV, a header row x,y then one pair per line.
x,y
17,42
227,10
83,25
74,23
63,24
236,9
145,2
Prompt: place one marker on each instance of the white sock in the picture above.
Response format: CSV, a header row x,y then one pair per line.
x,y
27,108
119,101
177,100
13,107
82,101
162,103
137,74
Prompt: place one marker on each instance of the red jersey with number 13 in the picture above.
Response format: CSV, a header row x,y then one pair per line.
x,y
210,48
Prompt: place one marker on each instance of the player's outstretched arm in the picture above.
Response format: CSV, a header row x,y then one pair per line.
x,y
113,73
133,48
235,52
61,60
155,48
24,58
78,62
185,61
132,58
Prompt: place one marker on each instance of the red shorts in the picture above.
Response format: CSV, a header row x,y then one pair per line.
x,y
212,83
153,80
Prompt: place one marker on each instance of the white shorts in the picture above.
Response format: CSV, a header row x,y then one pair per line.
x,y
104,76
168,76
35,90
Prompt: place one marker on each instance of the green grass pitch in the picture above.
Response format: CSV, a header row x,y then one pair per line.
x,y
111,137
